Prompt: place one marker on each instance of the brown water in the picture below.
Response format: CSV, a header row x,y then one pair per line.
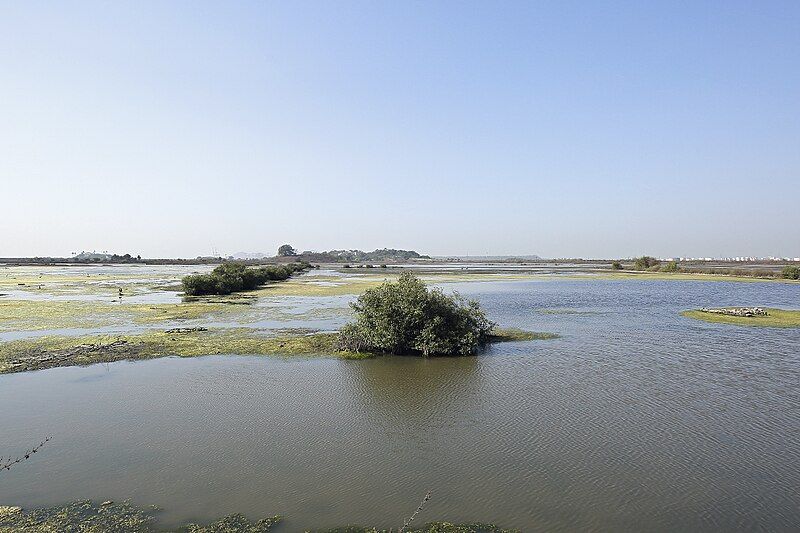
x,y
637,419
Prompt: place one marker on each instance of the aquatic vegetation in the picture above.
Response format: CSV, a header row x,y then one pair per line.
x,y
236,277
405,317
88,517
85,516
775,318
516,335
53,351
31,315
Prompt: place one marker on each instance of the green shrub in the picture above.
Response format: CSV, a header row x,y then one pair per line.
x,y
405,317
235,277
645,262
790,272
672,266
616,265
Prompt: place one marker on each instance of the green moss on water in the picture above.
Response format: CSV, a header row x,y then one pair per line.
x,y
34,315
776,318
515,335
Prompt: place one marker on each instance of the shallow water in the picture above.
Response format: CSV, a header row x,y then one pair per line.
x,y
636,419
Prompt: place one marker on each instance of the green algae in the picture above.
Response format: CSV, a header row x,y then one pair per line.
x,y
35,315
54,351
516,335
776,318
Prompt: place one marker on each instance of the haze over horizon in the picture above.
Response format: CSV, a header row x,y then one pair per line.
x,y
560,129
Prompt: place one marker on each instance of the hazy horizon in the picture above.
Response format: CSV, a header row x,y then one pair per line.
x,y
561,129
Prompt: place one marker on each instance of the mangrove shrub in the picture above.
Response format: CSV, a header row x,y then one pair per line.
x,y
236,277
405,317
645,262
790,272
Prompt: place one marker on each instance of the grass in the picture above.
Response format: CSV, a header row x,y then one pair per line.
x,y
777,318
54,351
675,276
516,335
33,315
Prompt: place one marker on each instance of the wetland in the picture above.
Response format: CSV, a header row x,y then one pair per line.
x,y
626,414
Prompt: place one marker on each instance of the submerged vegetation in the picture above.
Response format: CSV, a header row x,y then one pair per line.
x,y
228,278
775,318
85,516
405,317
88,517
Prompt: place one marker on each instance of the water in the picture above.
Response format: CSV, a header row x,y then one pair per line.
x,y
636,419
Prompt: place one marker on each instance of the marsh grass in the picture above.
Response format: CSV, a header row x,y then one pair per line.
x,y
517,335
776,318
53,351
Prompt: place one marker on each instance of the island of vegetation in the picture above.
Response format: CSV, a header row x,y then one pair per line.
x,y
407,318
747,316
233,277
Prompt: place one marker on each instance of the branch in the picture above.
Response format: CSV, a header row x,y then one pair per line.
x,y
7,462
421,505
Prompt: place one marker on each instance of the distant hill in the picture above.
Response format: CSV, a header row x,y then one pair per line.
x,y
358,256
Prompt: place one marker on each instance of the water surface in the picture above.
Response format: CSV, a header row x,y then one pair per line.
x,y
636,419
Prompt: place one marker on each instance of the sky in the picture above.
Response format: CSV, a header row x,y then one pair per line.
x,y
563,129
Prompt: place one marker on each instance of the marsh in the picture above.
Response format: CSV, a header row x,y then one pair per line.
x,y
635,417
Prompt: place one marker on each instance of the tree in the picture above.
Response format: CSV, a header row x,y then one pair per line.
x,y
672,266
616,265
791,272
286,250
644,262
405,317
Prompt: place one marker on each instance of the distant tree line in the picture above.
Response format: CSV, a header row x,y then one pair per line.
x,y
233,277
351,256
651,264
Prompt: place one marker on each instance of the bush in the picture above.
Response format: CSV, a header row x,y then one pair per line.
x,y
790,272
645,262
405,317
672,266
616,265
235,277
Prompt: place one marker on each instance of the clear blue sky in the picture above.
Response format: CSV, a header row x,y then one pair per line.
x,y
593,129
